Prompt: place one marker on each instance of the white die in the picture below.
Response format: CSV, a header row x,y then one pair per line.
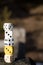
x,y
8,34
8,58
8,26
9,42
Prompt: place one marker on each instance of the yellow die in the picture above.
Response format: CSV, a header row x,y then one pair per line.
x,y
8,50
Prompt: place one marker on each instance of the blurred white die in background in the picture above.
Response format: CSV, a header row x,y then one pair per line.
x,y
8,26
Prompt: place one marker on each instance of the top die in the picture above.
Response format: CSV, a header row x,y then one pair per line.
x,y
8,26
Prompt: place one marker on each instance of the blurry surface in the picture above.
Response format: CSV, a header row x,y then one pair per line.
x,y
29,15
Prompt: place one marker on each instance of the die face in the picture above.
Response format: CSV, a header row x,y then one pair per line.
x,y
8,34
8,58
9,42
11,27
4,27
8,50
8,26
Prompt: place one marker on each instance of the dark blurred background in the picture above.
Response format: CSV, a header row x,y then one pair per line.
x,y
27,14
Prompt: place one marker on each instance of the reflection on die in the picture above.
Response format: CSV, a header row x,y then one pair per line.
x,y
8,26
8,58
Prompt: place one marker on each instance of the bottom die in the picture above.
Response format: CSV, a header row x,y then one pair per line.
x,y
8,58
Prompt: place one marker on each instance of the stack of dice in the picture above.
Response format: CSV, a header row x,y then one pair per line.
x,y
8,43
